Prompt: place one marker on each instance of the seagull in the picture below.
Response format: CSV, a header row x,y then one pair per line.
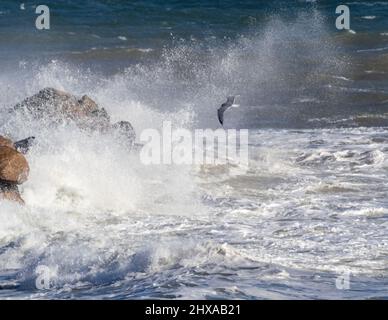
x,y
225,106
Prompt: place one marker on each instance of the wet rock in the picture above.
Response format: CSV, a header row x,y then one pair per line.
x,y
54,106
10,192
6,142
125,132
24,145
14,167
58,106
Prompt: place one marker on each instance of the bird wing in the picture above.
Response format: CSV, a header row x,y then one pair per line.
x,y
230,100
225,106
220,113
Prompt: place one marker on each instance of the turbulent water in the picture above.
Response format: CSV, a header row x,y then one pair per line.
x,y
310,209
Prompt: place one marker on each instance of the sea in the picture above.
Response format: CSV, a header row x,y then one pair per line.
x,y
308,217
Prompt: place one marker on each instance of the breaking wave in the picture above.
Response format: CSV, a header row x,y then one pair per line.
x,y
105,225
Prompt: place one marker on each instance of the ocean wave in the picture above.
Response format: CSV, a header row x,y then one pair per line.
x,y
107,226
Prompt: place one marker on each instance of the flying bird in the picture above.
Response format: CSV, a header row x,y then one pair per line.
x,y
225,106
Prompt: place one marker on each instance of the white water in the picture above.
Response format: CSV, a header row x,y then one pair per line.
x,y
312,205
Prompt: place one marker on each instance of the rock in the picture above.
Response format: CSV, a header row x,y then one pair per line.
x,y
10,192
57,106
24,145
5,142
125,132
14,167
53,107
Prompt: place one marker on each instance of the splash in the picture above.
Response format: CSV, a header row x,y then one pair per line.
x,y
108,226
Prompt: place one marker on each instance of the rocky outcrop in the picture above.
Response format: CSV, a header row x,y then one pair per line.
x,y
24,145
14,170
125,132
10,192
57,106
13,166
53,107
5,142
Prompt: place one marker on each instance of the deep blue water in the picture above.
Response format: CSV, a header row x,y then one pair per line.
x,y
156,23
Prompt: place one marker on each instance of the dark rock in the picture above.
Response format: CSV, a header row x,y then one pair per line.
x,y
125,132
10,192
24,145
57,106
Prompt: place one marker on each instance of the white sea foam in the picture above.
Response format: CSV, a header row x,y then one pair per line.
x,y
112,227
369,17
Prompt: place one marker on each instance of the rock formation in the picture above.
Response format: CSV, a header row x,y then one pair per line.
x,y
14,170
57,107
53,107
5,142
13,166
125,132
10,192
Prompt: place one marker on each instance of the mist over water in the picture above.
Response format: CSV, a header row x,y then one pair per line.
x,y
311,205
